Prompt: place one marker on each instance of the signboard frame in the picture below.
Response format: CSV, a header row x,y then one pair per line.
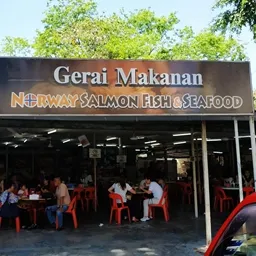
x,y
98,150
188,77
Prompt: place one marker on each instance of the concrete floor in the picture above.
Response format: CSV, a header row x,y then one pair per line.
x,y
177,237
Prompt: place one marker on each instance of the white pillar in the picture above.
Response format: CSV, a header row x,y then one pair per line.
x,y
238,161
206,186
194,172
253,145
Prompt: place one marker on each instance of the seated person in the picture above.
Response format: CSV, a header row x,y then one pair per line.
x,y
121,188
143,182
161,183
87,181
45,188
2,184
156,190
63,201
9,206
23,191
248,179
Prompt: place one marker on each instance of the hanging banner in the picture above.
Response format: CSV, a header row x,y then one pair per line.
x,y
116,87
83,141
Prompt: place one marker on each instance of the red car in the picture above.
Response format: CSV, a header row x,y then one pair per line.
x,y
237,236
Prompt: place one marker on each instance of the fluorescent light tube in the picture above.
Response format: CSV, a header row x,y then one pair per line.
x,y
66,140
111,145
111,138
52,131
179,142
150,142
155,144
181,134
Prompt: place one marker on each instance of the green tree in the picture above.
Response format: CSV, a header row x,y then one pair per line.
x,y
74,29
15,46
254,99
235,15
206,46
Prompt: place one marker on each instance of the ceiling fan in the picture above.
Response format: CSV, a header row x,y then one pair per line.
x,y
142,137
26,135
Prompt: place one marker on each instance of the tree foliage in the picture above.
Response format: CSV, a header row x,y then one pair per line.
x,y
74,29
236,15
15,46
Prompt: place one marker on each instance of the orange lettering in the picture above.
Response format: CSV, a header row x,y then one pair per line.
x,y
73,99
53,101
17,100
64,101
41,101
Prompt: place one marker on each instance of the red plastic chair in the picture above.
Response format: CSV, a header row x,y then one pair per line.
x,y
77,192
166,189
162,204
89,196
248,191
222,199
71,210
17,223
116,209
187,192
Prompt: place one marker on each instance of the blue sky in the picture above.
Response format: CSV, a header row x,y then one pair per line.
x,y
23,17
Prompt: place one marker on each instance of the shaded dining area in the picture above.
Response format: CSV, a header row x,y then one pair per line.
x,y
35,155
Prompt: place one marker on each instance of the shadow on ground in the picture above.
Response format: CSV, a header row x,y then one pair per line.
x,y
178,237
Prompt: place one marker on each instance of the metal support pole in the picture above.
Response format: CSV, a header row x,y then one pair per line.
x,y
95,175
120,150
206,186
33,162
198,173
238,161
120,146
6,162
253,145
194,173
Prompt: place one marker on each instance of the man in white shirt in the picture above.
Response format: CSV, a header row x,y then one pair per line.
x,y
156,190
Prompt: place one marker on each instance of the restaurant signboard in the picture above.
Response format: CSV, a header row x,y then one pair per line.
x,y
124,87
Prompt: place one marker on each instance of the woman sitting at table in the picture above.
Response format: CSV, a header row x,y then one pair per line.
x,y
23,191
9,206
45,188
121,188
